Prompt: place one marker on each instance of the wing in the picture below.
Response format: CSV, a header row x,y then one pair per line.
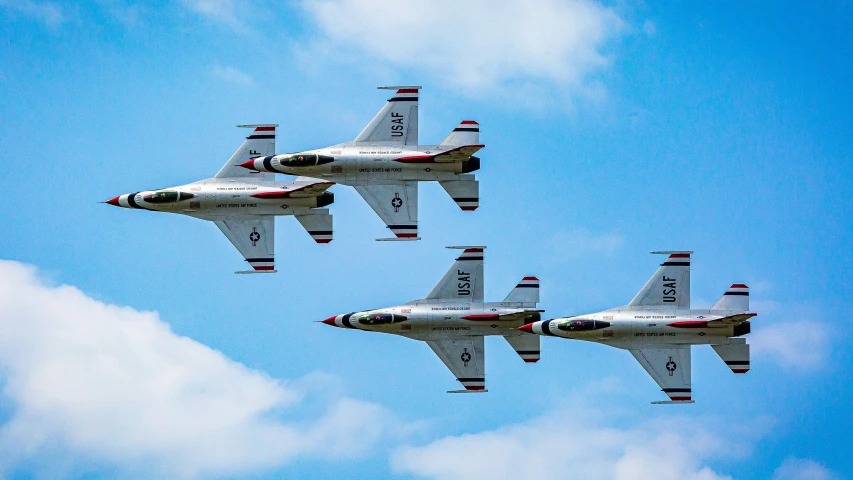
x,y
254,237
397,121
260,143
396,205
464,356
669,286
464,281
670,367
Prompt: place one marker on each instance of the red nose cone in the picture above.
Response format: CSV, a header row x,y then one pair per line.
x,y
249,164
113,201
330,321
526,328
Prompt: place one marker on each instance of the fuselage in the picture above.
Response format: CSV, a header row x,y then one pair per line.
x,y
371,163
215,198
425,320
630,328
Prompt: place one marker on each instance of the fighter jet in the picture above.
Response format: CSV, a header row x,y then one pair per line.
x,y
453,319
658,327
244,204
385,163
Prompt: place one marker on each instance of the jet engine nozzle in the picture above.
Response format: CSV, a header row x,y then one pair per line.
x,y
471,165
327,198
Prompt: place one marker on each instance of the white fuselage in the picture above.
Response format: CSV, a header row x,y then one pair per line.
x,y
215,199
631,328
375,164
428,320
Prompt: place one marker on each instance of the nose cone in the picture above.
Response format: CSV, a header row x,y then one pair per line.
x,y
526,328
330,321
113,201
249,165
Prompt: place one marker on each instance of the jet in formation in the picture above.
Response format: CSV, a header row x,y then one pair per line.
x,y
453,319
385,163
244,204
658,327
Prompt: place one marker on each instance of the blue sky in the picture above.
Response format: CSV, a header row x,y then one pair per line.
x,y
611,130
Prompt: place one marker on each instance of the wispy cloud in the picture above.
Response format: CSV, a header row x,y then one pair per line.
x,y
580,242
798,345
116,385
232,75
802,469
476,44
49,13
567,444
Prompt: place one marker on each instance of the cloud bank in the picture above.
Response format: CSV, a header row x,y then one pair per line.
x,y
116,386
477,44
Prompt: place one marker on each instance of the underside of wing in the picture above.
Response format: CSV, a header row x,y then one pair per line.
x,y
397,206
464,356
254,237
670,368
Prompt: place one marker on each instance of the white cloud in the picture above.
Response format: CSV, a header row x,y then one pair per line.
x,y
799,345
474,44
580,242
116,386
219,10
232,75
574,441
48,12
649,28
802,469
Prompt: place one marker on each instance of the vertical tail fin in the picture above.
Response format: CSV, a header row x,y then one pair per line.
x,y
526,292
464,281
670,285
397,121
467,133
736,298
260,143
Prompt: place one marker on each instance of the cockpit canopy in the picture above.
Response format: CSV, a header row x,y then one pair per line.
x,y
304,160
381,318
579,325
167,196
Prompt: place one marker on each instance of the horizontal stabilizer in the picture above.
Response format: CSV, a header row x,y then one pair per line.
x,y
465,192
736,298
467,133
318,224
526,346
736,356
526,292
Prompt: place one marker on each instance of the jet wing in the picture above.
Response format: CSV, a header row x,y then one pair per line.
x,y
464,356
464,281
670,367
397,206
254,237
455,155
